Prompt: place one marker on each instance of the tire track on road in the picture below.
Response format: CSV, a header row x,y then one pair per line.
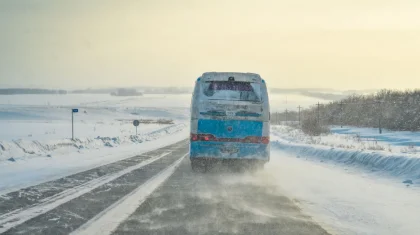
x,y
219,202
106,222
72,210
26,197
15,218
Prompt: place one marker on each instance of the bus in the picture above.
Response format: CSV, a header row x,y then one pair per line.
x,y
230,120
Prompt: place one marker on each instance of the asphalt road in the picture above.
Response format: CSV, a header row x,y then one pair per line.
x,y
217,202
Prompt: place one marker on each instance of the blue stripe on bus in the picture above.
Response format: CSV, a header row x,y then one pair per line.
x,y
215,150
223,113
248,114
214,113
240,128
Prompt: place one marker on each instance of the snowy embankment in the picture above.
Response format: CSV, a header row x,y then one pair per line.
x,y
34,126
35,136
351,150
22,149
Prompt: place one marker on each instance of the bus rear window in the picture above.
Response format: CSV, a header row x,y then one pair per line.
x,y
227,90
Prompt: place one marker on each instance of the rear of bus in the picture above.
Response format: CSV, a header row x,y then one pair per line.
x,y
230,119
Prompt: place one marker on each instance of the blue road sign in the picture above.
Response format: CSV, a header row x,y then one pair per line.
x,y
75,110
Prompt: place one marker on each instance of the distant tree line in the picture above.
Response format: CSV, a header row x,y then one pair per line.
x,y
126,92
29,91
143,90
113,91
393,110
93,91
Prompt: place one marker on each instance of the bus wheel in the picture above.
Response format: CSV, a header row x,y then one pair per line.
x,y
198,166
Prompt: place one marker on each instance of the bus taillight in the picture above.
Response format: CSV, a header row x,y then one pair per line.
x,y
265,140
202,137
194,137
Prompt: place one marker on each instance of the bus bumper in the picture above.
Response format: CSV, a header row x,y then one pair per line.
x,y
219,150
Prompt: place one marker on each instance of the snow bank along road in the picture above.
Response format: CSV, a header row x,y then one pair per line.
x,y
154,193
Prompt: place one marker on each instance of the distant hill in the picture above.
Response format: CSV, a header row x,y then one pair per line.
x,y
30,91
93,91
126,92
143,90
321,93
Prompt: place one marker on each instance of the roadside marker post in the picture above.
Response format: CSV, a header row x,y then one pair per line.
x,y
136,123
72,122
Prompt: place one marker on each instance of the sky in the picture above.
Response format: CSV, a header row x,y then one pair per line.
x,y
346,44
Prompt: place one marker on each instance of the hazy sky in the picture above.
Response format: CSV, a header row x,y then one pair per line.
x,y
343,44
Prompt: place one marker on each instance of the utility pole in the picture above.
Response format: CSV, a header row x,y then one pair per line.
x,y
318,113
379,117
72,122
380,128
299,113
341,114
277,118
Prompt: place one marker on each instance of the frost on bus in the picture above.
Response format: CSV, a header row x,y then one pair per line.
x,y
229,120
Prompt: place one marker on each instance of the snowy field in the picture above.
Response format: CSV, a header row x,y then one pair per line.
x,y
353,181
399,162
361,139
48,117
395,138
35,137
45,117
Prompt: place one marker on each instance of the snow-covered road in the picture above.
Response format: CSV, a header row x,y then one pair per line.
x,y
155,193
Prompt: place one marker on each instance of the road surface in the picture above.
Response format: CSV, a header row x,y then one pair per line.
x,y
154,193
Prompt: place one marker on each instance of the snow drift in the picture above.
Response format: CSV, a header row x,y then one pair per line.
x,y
400,165
21,149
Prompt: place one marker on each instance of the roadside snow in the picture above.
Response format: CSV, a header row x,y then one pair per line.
x,y
19,150
397,138
352,182
31,171
40,125
346,200
356,139
347,150
35,136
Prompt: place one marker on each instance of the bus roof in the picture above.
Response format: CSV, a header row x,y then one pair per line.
x,y
224,76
